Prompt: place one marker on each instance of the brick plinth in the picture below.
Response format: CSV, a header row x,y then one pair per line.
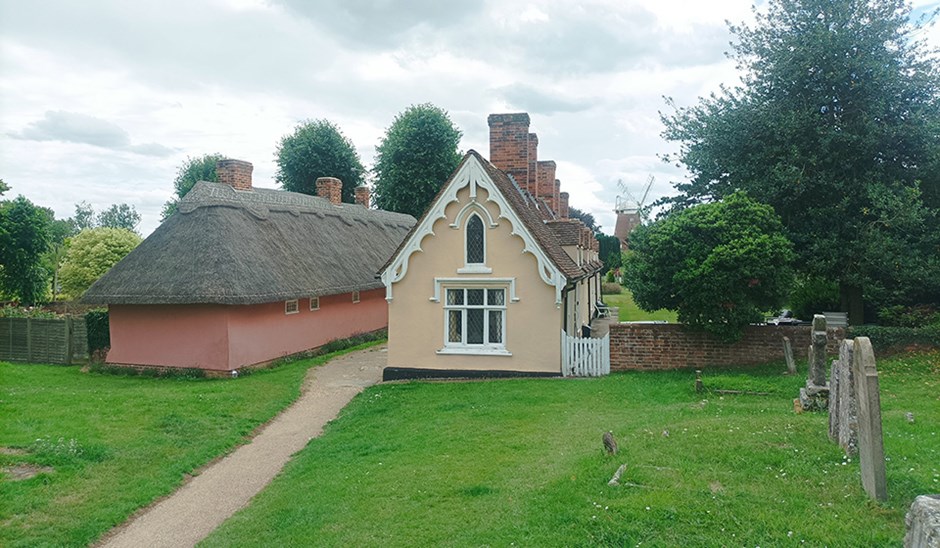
x,y
670,346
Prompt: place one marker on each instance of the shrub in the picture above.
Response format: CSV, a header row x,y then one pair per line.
x,y
99,330
29,312
883,337
609,277
909,316
611,288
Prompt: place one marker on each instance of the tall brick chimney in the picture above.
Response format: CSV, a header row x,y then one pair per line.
x,y
330,188
362,196
532,179
563,204
509,144
235,173
546,184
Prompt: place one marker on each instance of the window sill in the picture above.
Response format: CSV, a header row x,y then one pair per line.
x,y
475,269
475,351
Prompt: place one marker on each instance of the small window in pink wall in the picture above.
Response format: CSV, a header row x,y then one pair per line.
x,y
314,303
355,296
291,307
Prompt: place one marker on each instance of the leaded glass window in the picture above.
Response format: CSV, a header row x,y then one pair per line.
x,y
475,317
475,253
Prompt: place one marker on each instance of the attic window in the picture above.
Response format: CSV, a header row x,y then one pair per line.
x,y
291,307
475,248
314,303
355,296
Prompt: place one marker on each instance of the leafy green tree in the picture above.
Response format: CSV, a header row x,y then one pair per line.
x,y
415,158
92,253
24,238
84,216
3,187
835,126
60,230
719,265
190,172
609,250
120,216
317,148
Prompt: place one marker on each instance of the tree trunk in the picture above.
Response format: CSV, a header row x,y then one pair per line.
x,y
850,297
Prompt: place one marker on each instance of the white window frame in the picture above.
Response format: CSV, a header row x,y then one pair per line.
x,y
356,296
487,348
474,268
291,306
314,303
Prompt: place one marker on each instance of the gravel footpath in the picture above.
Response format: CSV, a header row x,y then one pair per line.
x,y
202,504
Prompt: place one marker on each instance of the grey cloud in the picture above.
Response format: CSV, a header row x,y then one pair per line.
x,y
72,127
531,99
381,23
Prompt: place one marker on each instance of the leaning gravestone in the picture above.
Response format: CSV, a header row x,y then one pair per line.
x,y
788,355
923,523
870,441
843,403
815,395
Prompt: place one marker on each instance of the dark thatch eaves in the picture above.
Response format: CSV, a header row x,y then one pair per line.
x,y
527,211
233,247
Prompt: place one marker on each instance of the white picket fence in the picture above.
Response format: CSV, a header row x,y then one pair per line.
x,y
585,357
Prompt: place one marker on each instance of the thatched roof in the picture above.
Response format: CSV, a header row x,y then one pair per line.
x,y
528,211
229,247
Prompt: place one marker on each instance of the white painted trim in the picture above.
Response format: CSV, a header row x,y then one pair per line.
x,y
475,268
473,207
473,283
481,351
471,174
296,304
312,299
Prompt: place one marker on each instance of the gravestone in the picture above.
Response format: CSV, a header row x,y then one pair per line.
x,y
870,440
923,523
843,406
815,395
788,355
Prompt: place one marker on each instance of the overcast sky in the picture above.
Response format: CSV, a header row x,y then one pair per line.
x,y
103,100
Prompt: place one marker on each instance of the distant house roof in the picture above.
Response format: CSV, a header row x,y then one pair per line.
x,y
567,232
230,247
528,211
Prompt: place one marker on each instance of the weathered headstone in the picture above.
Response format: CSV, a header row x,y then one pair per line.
x,y
815,396
788,355
923,523
870,440
843,407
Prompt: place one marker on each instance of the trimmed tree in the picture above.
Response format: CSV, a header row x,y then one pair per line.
x,y
190,172
317,148
720,266
92,253
835,126
415,158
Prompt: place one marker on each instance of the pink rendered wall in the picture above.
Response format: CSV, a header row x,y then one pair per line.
x,y
221,337
191,335
259,333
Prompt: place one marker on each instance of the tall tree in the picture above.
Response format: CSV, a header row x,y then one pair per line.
x,y
92,253
834,125
120,216
24,238
190,172
584,217
84,216
415,158
3,187
317,148
720,265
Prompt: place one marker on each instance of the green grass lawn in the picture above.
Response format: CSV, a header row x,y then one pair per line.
x,y
116,443
630,312
520,462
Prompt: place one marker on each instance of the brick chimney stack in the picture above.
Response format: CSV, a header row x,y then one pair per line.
x,y
546,183
235,173
532,179
509,144
556,198
330,188
563,204
362,196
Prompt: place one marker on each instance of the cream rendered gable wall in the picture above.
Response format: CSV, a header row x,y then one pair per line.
x,y
417,321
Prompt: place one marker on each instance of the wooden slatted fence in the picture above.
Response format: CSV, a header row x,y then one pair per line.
x,y
34,340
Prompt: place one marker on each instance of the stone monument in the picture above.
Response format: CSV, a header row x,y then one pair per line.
x,y
815,395
843,403
871,453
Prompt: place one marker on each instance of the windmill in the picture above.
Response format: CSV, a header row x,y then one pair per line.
x,y
630,211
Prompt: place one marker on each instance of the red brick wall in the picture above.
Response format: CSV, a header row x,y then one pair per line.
x,y
669,346
235,173
509,144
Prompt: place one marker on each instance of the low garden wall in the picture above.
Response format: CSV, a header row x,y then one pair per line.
x,y
35,340
670,346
